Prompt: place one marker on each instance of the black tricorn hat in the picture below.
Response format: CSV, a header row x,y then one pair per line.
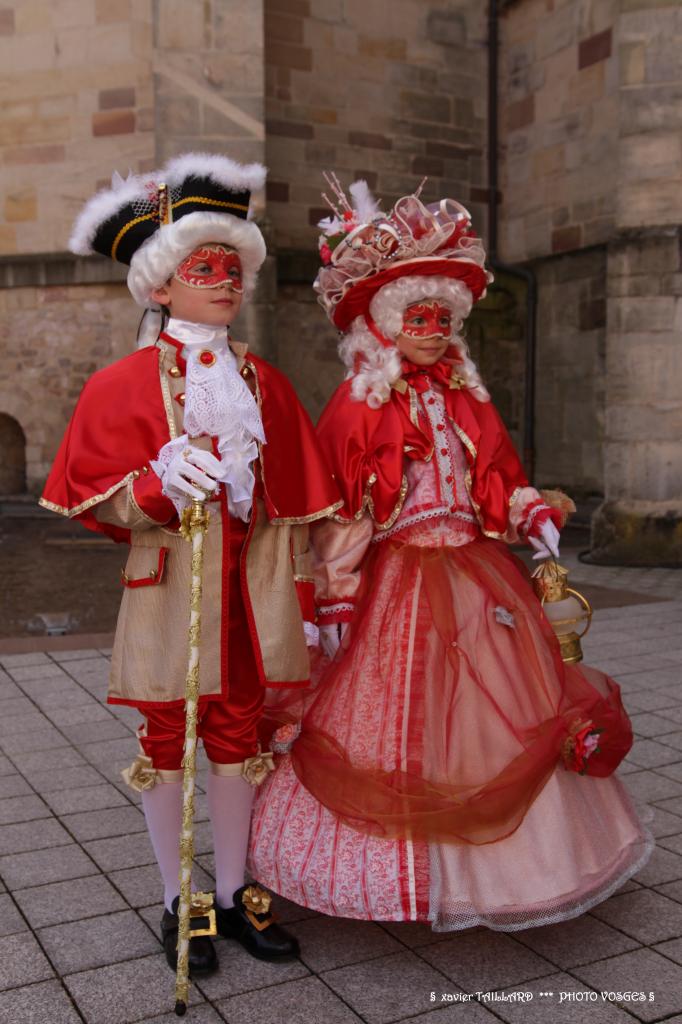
x,y
195,198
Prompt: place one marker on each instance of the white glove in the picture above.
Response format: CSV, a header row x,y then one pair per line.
x,y
312,634
185,470
331,637
548,546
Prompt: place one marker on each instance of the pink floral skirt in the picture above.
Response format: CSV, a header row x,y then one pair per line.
x,y
432,779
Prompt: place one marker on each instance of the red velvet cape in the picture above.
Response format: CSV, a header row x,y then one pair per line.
x,y
360,443
120,423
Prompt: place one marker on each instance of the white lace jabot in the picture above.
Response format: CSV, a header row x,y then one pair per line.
x,y
218,403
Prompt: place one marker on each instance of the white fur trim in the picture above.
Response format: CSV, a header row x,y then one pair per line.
x,y
220,169
103,206
381,365
157,259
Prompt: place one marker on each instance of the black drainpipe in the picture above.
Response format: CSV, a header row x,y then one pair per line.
x,y
513,269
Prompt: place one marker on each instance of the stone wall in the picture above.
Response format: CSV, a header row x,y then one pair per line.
x,y
391,90
65,334
570,372
559,93
77,100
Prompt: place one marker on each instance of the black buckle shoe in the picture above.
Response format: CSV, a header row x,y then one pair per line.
x,y
202,954
250,922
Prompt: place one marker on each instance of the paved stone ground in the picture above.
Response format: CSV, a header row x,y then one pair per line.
x,y
79,884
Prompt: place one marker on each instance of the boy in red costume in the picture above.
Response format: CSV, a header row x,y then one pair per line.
x,y
435,774
194,414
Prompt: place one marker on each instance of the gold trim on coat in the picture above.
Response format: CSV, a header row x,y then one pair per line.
x,y
90,502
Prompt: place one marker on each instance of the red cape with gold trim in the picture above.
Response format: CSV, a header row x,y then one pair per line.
x,y
120,423
365,449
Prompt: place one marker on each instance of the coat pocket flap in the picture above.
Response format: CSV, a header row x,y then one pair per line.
x,y
150,578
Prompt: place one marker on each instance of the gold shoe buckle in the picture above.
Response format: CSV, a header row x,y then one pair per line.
x,y
201,910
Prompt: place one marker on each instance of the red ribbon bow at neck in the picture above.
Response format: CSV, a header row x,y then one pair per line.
x,y
422,378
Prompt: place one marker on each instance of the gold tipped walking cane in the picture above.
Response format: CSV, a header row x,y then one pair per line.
x,y
193,527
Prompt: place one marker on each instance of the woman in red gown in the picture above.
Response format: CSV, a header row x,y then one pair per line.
x,y
449,767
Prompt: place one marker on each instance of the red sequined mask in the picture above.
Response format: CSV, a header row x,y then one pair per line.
x,y
425,320
211,266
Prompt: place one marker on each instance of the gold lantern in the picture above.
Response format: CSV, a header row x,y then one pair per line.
x,y
566,609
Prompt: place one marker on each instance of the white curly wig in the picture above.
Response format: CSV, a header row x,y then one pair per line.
x,y
380,366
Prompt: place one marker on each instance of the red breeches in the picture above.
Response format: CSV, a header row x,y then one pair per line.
x,y
228,725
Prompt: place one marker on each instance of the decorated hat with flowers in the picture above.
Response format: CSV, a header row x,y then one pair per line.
x,y
363,249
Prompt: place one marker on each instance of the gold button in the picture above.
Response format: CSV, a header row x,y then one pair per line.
x,y
245,371
180,398
145,470
136,473
175,371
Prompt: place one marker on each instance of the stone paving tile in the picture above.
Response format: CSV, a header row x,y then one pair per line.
x,y
14,785
578,941
97,942
10,919
116,821
11,661
673,890
79,655
127,992
110,751
673,739
654,700
72,900
48,760
414,934
672,949
92,798
108,728
22,961
30,673
328,942
648,786
240,972
121,852
6,766
672,771
674,844
672,805
14,707
650,724
142,886
33,721
297,1002
542,1009
665,864
22,808
645,915
71,778
479,960
642,970
202,1014
19,871
652,754
664,823
47,738
45,1003
9,690
85,668
387,989
85,716
32,835
471,1012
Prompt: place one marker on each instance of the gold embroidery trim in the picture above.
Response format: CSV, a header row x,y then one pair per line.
x,y
302,520
166,393
210,202
471,448
85,505
126,228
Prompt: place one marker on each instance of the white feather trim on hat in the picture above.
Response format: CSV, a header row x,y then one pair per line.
x,y
220,169
103,205
157,260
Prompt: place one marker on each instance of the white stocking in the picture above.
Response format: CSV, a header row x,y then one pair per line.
x,y
163,810
229,805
